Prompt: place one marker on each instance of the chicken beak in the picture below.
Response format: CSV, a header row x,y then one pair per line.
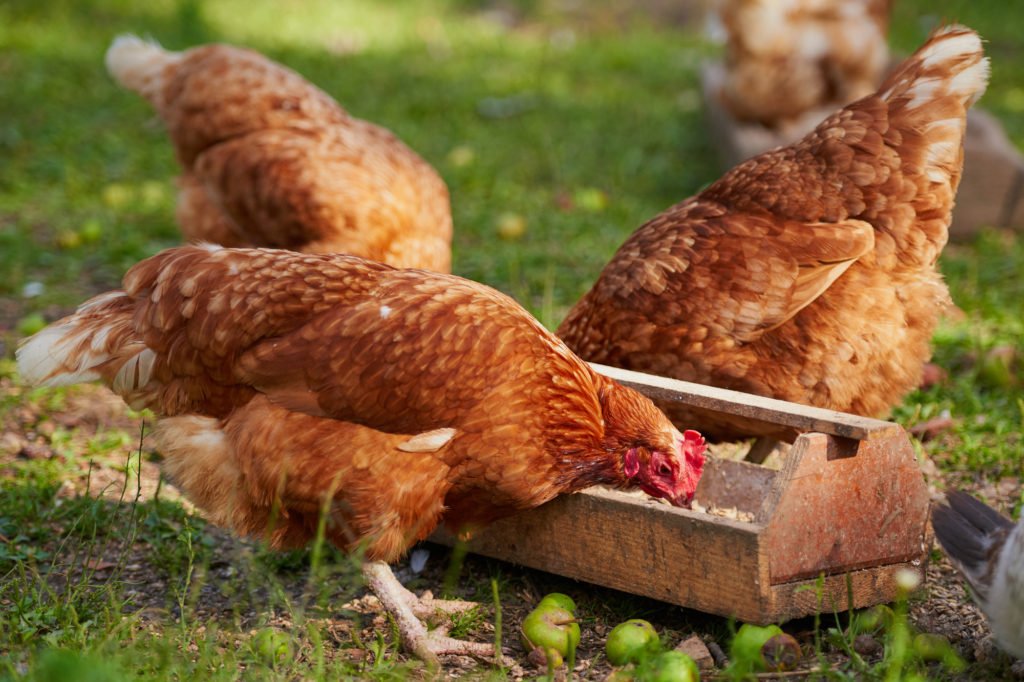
x,y
684,501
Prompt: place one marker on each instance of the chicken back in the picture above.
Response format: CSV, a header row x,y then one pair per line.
x,y
287,384
271,160
807,273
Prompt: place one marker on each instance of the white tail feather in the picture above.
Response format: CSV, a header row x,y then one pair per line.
x,y
93,339
42,359
951,63
139,65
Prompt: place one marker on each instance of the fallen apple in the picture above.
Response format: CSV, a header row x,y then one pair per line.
x,y
629,642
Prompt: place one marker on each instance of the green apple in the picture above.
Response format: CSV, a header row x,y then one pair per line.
x,y
669,666
271,645
629,642
560,600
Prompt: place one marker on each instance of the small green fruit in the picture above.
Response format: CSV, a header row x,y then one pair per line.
x,y
462,155
669,666
931,647
590,199
876,620
764,649
68,239
271,645
511,226
630,642
30,324
562,601
550,627
91,231
153,194
117,195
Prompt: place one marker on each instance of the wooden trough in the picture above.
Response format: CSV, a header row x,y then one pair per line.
x,y
849,504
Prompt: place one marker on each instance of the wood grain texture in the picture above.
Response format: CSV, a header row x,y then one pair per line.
x,y
832,507
637,546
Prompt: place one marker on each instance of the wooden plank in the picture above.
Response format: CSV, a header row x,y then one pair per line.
x,y
639,546
727,483
871,586
841,505
758,408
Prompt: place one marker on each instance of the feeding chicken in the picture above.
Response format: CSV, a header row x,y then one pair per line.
x,y
395,399
807,273
988,549
787,57
271,160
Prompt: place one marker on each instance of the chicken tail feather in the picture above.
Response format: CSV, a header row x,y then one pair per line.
x,y
929,94
97,341
951,64
970,532
139,65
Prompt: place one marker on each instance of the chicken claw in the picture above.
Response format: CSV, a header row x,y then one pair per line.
x,y
407,610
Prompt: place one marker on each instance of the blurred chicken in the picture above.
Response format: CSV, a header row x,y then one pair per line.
x,y
271,160
401,398
807,273
787,57
988,549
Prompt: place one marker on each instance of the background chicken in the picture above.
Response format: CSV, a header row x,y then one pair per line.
x,y
284,380
787,57
806,273
988,549
271,160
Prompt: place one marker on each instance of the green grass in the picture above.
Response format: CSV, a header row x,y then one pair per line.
x,y
603,108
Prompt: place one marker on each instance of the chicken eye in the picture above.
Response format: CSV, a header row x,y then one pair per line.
x,y
664,469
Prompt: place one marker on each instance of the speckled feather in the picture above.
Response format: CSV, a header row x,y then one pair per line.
x,y
806,273
271,160
282,379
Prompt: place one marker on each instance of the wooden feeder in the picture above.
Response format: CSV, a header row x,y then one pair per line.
x,y
847,511
991,192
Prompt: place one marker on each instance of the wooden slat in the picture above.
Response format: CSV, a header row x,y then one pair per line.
x,y
638,546
767,410
870,586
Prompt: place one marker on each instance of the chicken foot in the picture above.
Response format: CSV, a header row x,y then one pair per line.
x,y
407,610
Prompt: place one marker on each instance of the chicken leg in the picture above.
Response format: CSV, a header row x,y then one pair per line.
x,y
407,609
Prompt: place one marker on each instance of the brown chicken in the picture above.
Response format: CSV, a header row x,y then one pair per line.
x,y
787,57
271,160
401,398
807,273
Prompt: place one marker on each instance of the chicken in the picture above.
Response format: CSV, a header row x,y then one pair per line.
x,y
270,160
988,549
396,399
787,57
807,273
